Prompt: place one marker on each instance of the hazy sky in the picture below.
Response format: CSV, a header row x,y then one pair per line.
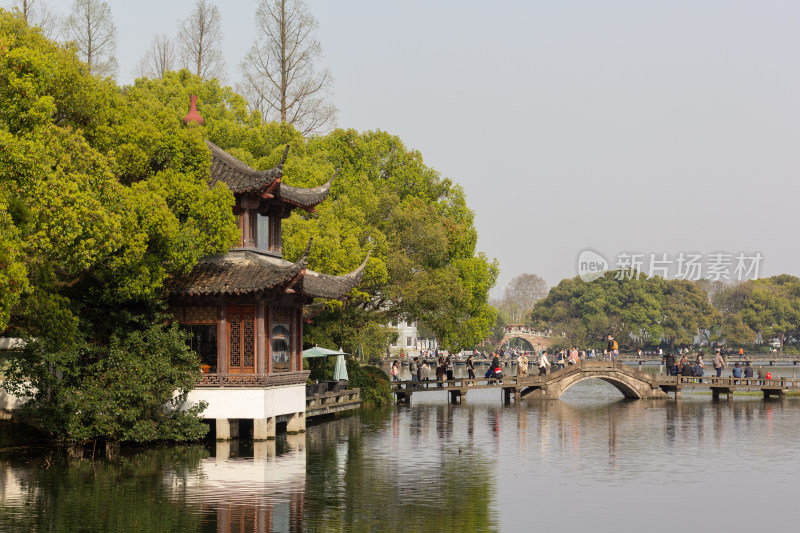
x,y
656,127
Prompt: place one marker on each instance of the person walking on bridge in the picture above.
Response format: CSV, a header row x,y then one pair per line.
x,y
613,348
522,365
669,362
543,363
492,366
719,363
413,368
470,367
425,370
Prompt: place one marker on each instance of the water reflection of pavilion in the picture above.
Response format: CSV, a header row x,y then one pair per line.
x,y
239,492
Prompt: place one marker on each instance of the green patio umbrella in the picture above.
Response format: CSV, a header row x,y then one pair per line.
x,y
316,351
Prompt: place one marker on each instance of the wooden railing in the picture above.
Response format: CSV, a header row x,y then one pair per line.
x,y
730,382
333,402
254,380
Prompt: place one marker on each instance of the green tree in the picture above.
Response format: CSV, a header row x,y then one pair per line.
x,y
735,332
635,311
384,200
416,224
772,307
107,196
686,311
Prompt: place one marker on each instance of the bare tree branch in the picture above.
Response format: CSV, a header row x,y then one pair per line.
x,y
200,42
38,14
279,75
91,28
160,58
525,290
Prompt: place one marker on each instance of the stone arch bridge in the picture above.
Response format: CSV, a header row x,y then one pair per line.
x,y
630,382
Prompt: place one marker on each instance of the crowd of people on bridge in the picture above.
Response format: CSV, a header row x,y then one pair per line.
x,y
525,330
442,366
684,367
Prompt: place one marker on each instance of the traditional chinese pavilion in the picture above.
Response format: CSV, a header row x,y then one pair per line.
x,y
244,309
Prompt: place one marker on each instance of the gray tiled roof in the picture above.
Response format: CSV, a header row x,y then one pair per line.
x,y
319,285
239,176
237,272
248,272
304,197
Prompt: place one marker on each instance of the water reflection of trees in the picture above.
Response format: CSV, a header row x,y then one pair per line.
x,y
53,493
357,484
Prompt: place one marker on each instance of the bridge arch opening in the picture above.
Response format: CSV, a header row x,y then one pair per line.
x,y
627,390
519,342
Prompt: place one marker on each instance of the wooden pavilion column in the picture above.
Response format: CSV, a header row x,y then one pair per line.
x,y
261,334
248,206
222,339
297,352
268,339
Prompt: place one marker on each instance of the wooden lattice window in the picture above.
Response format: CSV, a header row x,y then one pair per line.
x,y
241,339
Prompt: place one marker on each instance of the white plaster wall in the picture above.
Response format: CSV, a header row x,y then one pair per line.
x,y
249,402
9,402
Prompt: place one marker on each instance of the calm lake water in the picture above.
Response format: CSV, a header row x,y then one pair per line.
x,y
590,462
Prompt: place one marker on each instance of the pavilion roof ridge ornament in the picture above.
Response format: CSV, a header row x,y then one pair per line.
x,y
301,265
283,159
193,115
303,261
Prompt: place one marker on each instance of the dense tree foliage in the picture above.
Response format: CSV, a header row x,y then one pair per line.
x,y
651,311
103,195
419,229
765,309
384,200
639,311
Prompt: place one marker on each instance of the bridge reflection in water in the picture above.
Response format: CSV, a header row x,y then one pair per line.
x,y
632,383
